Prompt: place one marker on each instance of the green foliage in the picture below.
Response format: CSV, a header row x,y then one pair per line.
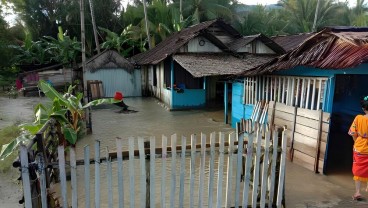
x,y
64,49
67,109
31,52
128,43
8,134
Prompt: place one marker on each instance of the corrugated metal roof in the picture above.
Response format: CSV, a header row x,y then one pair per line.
x,y
328,49
213,64
171,44
290,42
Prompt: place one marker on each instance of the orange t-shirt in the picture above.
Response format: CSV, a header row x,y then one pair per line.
x,y
359,127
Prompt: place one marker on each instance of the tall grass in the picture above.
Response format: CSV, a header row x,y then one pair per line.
x,y
6,135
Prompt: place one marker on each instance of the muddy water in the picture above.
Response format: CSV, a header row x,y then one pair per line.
x,y
152,119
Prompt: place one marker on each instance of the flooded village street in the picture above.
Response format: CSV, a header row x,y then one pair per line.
x,y
303,187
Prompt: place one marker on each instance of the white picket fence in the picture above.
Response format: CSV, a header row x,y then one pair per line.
x,y
259,172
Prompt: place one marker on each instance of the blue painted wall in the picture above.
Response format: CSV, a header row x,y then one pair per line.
x,y
238,109
190,98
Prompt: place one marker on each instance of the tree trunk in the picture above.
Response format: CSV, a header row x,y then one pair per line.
x,y
146,22
316,16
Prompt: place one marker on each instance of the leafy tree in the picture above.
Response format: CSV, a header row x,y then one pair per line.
x,y
202,10
64,49
260,19
131,41
300,14
358,14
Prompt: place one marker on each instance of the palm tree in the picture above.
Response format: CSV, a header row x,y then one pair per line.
x,y
300,14
358,14
202,10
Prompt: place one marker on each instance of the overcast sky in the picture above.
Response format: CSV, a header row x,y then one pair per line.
x,y
254,2
10,18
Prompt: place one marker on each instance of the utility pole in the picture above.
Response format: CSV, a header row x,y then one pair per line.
x,y
94,27
316,16
83,40
146,21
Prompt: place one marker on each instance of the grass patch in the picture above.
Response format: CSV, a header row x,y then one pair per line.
x,y
6,135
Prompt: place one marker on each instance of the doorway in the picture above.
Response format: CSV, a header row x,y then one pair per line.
x,y
346,105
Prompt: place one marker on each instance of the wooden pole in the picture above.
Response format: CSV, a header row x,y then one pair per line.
x,y
94,27
318,145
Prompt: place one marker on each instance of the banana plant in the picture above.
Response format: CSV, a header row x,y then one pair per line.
x,y
66,108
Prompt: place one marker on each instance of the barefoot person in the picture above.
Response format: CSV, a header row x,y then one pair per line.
x,y
359,132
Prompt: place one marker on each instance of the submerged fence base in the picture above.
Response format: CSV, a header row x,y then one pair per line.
x,y
249,172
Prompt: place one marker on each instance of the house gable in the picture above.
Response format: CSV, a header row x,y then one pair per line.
x,y
200,44
256,47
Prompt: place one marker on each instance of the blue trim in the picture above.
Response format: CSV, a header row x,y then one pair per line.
x,y
172,82
314,72
226,91
332,82
204,82
189,98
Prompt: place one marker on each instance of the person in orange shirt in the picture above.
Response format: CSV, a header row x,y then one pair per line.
x,y
359,132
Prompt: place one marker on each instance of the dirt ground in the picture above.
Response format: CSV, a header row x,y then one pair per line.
x,y
303,187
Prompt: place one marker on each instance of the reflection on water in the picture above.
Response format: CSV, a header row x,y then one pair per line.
x,y
151,120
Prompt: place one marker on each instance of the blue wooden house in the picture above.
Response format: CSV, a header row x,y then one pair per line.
x,y
189,68
327,71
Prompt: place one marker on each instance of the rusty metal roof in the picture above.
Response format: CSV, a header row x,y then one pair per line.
x,y
213,64
174,42
332,48
290,42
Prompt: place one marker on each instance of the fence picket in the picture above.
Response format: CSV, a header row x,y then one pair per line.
x,y
239,168
265,170
86,176
220,170
163,171
41,170
120,172
248,166
147,171
142,160
173,170
280,189
192,168
131,172
62,174
152,171
25,176
201,170
182,171
256,169
97,173
273,165
229,171
109,179
73,172
212,164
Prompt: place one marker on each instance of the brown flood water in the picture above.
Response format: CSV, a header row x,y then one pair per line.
x,y
152,119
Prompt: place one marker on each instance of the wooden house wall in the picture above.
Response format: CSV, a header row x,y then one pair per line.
x,y
118,80
256,47
57,77
193,46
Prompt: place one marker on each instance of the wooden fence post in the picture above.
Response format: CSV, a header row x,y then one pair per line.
x,y
146,145
25,176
